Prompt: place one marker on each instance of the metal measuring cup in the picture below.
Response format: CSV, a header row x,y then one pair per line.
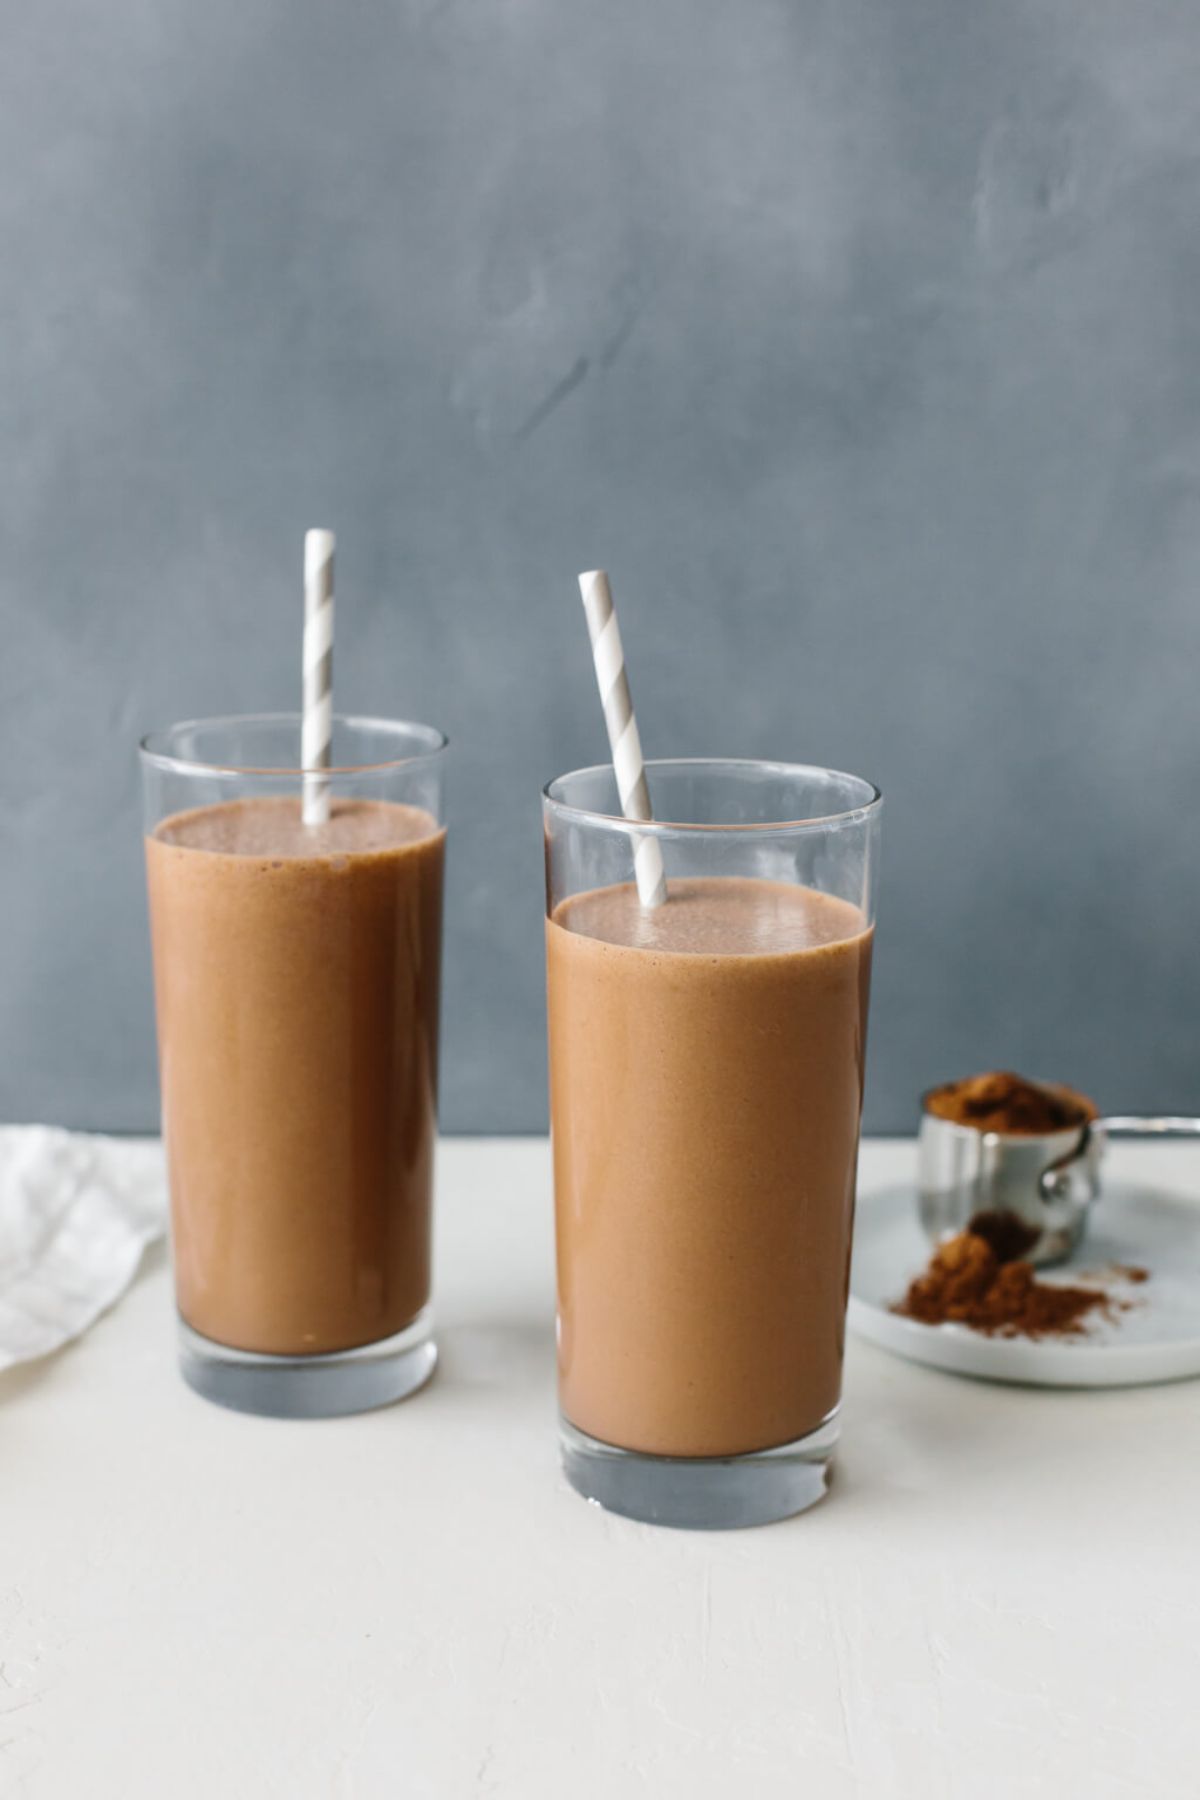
x,y
1046,1181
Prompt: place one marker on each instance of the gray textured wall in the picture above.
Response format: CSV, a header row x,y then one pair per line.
x,y
861,341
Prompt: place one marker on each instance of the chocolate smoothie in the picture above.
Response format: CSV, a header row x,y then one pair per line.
x,y
296,977
706,1066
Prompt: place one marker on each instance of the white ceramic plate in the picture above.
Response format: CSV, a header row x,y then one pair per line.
x,y
1157,1339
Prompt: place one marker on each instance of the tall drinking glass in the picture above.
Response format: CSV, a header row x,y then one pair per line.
x,y
706,1073
296,973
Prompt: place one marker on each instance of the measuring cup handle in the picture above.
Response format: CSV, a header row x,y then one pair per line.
x,y
1076,1170
1131,1125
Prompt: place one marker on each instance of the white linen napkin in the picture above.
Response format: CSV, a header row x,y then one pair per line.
x,y
76,1213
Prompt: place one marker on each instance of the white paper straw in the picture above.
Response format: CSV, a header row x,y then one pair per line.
x,y
316,734
623,738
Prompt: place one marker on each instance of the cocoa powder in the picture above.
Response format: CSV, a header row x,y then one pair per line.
x,y
968,1283
1003,1102
1007,1233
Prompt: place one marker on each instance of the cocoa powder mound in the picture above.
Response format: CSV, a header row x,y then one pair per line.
x,y
1004,1102
1007,1233
967,1283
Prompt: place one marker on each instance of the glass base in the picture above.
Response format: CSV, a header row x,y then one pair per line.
x,y
310,1387
719,1493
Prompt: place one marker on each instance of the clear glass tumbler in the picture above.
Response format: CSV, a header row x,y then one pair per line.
x,y
296,974
706,1072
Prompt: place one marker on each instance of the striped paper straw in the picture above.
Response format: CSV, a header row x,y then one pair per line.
x,y
316,732
628,765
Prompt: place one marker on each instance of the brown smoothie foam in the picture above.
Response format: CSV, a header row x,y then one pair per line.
x,y
706,1065
296,977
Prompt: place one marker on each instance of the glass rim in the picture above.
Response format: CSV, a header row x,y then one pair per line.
x,y
151,750
761,765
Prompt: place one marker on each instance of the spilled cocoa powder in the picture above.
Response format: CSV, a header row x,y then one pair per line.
x,y
1003,1102
1007,1233
970,1282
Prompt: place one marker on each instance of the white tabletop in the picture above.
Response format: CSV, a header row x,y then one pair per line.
x,y
1001,1595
